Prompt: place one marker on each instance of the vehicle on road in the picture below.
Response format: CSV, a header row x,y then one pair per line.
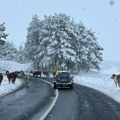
x,y
63,79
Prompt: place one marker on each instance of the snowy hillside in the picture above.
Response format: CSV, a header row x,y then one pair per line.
x,y
13,66
102,81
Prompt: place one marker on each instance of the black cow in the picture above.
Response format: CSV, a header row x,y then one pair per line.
x,y
37,73
1,78
46,73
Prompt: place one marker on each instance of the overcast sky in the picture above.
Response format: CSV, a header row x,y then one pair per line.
x,y
102,16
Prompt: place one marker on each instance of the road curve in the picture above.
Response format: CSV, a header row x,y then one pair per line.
x,y
95,105
25,103
83,103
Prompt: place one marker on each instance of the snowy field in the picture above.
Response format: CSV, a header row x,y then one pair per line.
x,y
97,80
11,66
6,87
101,82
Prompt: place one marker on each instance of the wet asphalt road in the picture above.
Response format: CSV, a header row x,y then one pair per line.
x,y
23,104
81,103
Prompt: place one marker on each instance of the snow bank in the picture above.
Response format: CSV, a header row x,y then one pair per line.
x,y
6,87
13,66
100,82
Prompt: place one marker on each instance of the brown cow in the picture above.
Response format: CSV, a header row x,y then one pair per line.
x,y
1,78
11,76
116,79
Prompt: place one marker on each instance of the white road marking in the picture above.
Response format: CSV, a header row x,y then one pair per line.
x,y
52,104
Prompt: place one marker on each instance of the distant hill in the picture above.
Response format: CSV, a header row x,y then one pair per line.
x,y
110,67
14,66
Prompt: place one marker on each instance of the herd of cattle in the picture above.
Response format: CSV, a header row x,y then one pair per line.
x,y
13,75
37,73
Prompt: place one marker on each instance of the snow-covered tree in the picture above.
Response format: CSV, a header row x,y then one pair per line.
x,y
58,40
88,51
3,35
20,56
32,37
8,51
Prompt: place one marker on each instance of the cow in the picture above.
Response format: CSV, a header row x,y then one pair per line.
x,y
22,73
27,79
11,76
37,73
46,73
1,78
116,79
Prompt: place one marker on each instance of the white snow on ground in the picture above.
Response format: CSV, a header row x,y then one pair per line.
x,y
11,66
6,87
97,80
100,82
